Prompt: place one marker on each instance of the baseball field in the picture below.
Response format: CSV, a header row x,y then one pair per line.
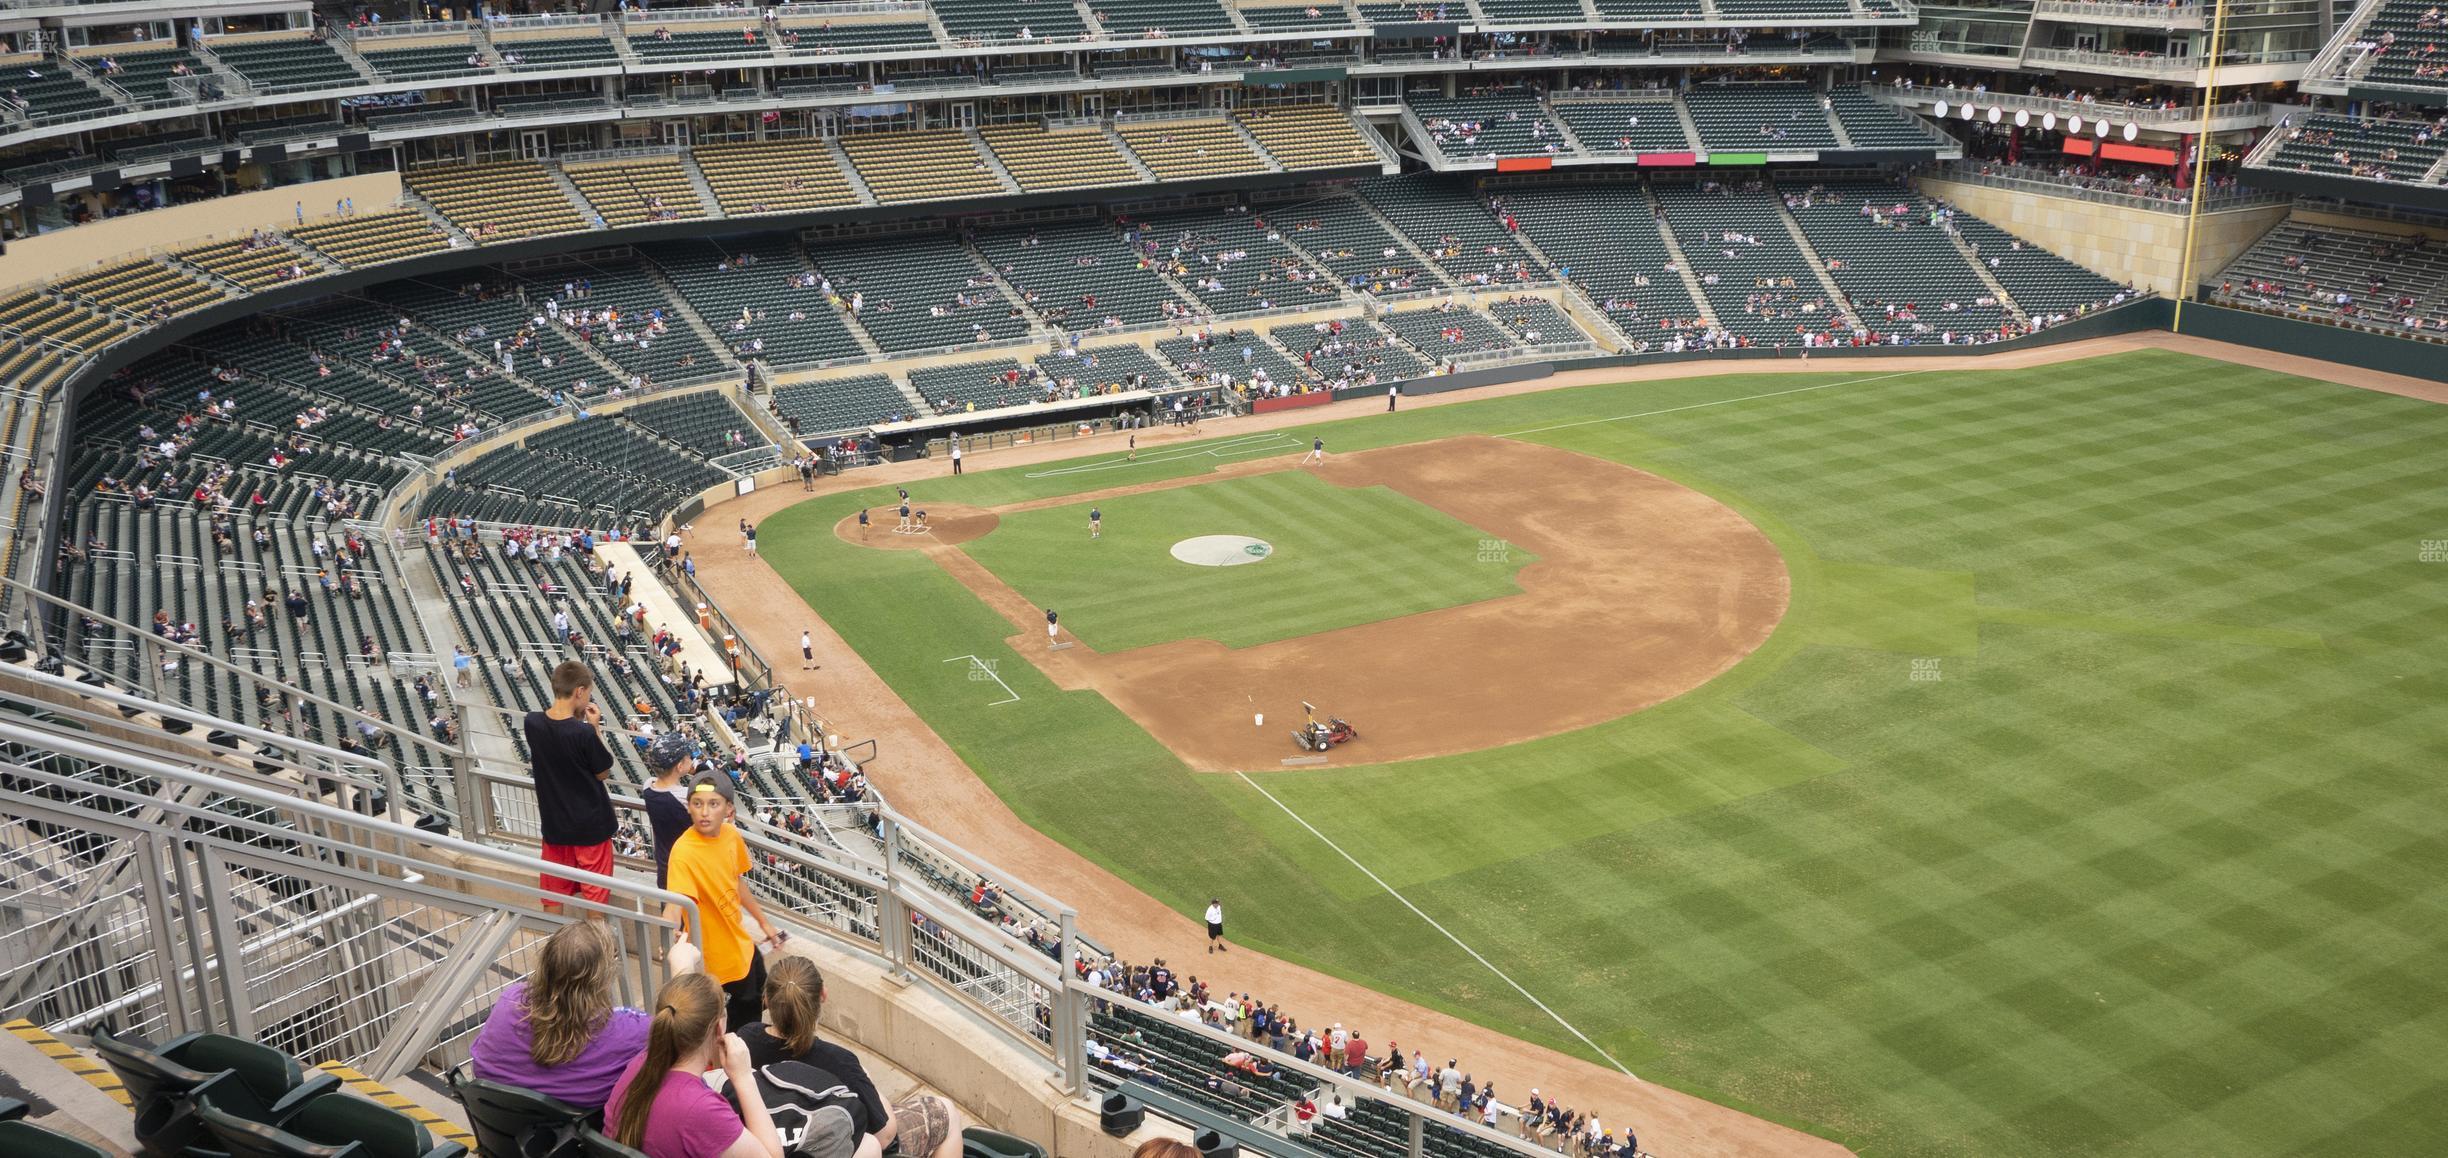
x,y
1953,762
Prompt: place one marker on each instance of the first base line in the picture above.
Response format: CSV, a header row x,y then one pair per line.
x,y
1432,923
977,666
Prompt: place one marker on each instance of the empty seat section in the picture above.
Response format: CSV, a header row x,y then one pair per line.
x,y
1451,223
635,191
1607,235
1041,159
1902,273
1309,136
287,65
426,61
928,165
780,176
1185,150
837,404
374,237
506,200
143,288
918,292
756,296
1759,118
1079,275
1625,126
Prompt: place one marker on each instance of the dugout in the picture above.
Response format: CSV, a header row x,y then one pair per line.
x,y
1030,424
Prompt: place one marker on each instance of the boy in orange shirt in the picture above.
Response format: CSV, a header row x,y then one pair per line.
x,y
709,864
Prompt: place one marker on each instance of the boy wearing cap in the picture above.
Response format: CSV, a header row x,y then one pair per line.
x,y
672,759
709,864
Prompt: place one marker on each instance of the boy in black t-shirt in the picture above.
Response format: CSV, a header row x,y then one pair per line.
x,y
570,763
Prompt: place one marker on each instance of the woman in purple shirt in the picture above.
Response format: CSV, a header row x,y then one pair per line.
x,y
558,1033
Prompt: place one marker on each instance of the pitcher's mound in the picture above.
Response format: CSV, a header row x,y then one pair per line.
x,y
1222,550
946,524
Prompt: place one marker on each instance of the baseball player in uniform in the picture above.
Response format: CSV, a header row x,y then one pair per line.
x,y
1096,523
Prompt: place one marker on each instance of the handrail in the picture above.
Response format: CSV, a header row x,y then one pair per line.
x,y
2190,10
145,638
2119,110
705,14
402,29
1972,173
334,760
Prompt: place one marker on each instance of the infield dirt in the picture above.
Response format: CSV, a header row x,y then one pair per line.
x,y
1643,590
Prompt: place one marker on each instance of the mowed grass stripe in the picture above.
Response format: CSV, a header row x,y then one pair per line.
x,y
2120,881
1340,557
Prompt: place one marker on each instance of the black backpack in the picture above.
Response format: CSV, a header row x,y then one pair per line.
x,y
815,1112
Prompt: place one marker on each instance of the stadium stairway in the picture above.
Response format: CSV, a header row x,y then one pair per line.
x,y
849,171
1837,299
1674,249
1427,264
65,1091
994,164
1981,268
679,306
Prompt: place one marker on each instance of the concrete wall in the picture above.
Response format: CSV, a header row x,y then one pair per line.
x,y
2139,247
1004,1086
66,250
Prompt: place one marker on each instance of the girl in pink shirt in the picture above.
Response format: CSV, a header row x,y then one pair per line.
x,y
662,1105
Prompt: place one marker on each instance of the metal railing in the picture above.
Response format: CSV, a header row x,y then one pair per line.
x,y
168,895
403,29
2166,199
2174,15
2153,114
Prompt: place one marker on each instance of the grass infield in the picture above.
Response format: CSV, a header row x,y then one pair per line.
x,y
2087,800
1341,556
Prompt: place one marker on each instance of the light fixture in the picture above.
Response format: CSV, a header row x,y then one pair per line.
x,y
2132,131
2022,118
2048,121
2073,124
1942,109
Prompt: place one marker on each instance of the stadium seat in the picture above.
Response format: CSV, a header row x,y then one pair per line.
x,y
248,1081
335,1125
27,1140
504,1117
596,1144
979,1142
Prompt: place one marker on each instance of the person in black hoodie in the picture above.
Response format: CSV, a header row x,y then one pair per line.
x,y
919,1126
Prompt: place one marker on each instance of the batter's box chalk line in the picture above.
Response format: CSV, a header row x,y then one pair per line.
x,y
1246,444
980,671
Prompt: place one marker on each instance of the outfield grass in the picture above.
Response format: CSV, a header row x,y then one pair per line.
x,y
2152,859
1341,556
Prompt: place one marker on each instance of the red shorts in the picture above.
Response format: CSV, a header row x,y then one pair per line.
x,y
593,858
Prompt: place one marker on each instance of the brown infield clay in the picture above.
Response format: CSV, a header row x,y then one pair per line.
x,y
1643,590
947,523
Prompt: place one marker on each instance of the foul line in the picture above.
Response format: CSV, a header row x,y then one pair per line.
x,y
977,665
1246,444
1432,923
1719,402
